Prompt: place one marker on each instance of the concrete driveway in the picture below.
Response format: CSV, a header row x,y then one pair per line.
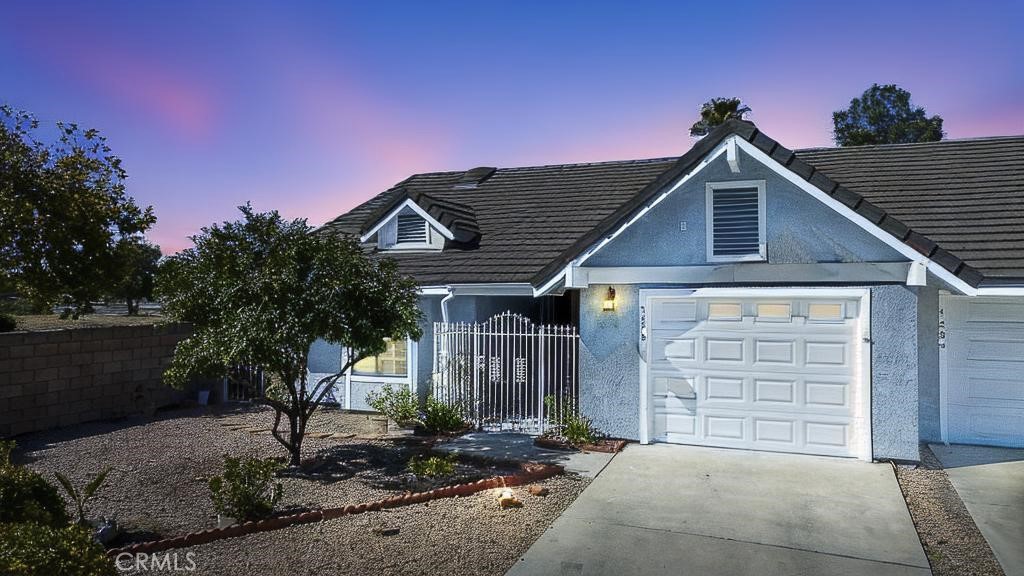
x,y
666,509
990,481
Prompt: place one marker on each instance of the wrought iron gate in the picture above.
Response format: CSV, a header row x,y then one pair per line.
x,y
507,373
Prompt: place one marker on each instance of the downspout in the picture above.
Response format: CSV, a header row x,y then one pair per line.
x,y
444,304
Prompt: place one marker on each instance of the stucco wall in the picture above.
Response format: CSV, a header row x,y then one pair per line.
x,y
894,372
609,361
799,229
928,362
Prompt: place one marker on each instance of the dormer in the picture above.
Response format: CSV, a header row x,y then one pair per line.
x,y
417,221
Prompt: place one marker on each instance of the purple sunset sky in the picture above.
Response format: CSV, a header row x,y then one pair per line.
x,y
312,107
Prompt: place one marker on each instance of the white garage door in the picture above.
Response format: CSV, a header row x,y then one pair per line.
x,y
771,373
984,367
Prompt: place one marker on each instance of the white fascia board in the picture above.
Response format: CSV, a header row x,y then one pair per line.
x,y
408,203
1001,291
550,285
755,292
496,289
856,218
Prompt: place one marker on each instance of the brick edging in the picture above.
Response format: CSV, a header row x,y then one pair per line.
x,y
532,472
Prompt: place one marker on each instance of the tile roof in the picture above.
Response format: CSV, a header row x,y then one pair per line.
x,y
960,202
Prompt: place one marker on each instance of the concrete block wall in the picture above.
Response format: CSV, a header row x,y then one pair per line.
x,y
64,377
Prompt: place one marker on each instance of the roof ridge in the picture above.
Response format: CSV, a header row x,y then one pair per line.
x,y
914,144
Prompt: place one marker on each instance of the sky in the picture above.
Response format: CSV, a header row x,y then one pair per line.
x,y
310,108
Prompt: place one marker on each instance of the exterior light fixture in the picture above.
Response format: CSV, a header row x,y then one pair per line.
x,y
608,304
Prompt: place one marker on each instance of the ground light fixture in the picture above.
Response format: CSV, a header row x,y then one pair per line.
x,y
608,304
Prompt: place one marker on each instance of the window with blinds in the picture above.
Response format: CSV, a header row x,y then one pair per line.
x,y
736,221
412,229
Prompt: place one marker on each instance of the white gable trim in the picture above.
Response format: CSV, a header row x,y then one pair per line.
x,y
408,203
857,219
718,151
873,229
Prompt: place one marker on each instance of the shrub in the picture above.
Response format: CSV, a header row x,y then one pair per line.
x,y
399,405
440,418
246,491
6,448
31,549
8,323
26,497
433,466
81,498
578,430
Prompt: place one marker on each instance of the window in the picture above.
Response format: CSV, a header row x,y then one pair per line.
x,y
411,229
825,312
774,312
392,362
725,311
735,216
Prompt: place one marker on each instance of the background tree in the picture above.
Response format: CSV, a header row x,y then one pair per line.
x,y
884,115
137,262
715,112
63,210
261,290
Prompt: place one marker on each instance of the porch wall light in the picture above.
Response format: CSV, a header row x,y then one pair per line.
x,y
608,304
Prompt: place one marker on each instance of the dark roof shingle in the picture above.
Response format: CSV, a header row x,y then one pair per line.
x,y
960,202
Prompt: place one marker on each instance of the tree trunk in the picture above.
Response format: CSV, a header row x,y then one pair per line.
x,y
295,439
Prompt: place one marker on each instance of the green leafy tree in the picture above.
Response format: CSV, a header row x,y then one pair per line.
x,y
884,115
137,265
261,290
63,211
715,112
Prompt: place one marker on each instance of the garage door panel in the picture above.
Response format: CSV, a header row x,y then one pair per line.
x,y
775,352
771,391
725,350
766,382
984,369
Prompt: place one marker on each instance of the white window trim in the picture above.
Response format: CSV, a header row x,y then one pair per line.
x,y
409,380
710,188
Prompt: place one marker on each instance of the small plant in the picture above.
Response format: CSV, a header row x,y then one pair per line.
x,y
246,491
31,549
25,496
6,448
433,466
80,499
399,405
441,418
578,430
7,323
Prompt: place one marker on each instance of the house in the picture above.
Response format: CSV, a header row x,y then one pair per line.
x,y
848,302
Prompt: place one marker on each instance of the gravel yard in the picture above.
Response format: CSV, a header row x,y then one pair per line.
x,y
453,536
157,486
953,543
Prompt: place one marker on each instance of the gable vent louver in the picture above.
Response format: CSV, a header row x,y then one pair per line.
x,y
736,230
411,229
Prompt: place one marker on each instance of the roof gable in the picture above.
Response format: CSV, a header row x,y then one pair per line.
x,y
532,221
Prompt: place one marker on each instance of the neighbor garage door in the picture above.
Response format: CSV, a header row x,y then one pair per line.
x,y
984,369
764,373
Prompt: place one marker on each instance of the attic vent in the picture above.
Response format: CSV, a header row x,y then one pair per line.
x,y
473,178
736,217
412,229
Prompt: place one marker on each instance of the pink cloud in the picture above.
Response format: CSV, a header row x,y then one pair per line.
x,y
127,76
